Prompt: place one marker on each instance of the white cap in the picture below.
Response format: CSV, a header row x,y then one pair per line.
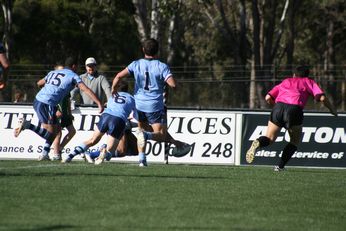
x,y
90,60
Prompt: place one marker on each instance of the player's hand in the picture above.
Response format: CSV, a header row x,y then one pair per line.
x,y
269,100
58,114
114,92
101,108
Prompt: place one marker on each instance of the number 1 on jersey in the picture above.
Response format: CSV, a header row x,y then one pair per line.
x,y
147,81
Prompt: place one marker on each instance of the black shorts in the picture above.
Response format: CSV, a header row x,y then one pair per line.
x,y
66,120
286,115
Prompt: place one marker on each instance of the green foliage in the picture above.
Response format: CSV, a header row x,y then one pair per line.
x,y
48,31
207,36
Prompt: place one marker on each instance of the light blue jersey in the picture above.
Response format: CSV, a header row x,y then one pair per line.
x,y
58,84
120,105
150,76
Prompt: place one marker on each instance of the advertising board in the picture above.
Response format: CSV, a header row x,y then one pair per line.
x,y
210,133
323,141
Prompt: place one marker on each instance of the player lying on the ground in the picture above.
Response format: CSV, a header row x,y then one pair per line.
x,y
112,121
127,147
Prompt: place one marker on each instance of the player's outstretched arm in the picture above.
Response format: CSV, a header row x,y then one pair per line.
x,y
171,82
92,95
117,79
325,101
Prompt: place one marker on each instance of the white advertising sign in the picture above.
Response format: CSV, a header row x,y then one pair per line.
x,y
211,134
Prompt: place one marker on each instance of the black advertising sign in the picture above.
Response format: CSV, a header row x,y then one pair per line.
x,y
323,141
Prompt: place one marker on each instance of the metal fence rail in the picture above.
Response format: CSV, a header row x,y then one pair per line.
x,y
221,87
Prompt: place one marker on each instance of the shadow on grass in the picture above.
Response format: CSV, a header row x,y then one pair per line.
x,y
206,228
69,227
44,228
73,174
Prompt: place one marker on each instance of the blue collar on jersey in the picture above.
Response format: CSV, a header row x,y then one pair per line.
x,y
91,77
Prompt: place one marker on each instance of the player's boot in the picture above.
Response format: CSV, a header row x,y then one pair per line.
x,y
181,151
67,159
56,157
103,154
21,125
278,169
250,154
43,157
143,163
87,158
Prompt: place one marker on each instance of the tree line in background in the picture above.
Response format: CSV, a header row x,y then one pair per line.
x,y
232,51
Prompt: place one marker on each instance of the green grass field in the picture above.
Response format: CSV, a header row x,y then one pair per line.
x,y
78,196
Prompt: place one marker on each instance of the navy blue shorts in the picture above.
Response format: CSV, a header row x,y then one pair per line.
x,y
46,114
112,125
287,115
153,117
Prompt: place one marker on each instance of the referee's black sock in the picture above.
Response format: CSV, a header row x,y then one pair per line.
x,y
287,154
263,141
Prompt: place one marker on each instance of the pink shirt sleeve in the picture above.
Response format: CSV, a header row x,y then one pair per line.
x,y
274,92
314,89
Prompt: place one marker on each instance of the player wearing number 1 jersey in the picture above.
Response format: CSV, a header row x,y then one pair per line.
x,y
150,77
58,84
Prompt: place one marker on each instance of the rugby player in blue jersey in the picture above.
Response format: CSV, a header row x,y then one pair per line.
x,y
113,121
58,83
150,77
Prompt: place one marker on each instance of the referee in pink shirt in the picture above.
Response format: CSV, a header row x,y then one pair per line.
x,y
289,99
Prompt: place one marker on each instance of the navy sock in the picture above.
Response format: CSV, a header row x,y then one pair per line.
x,y
78,150
41,132
287,154
46,147
263,141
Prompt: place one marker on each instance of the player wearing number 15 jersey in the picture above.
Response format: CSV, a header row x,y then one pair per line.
x,y
150,77
58,84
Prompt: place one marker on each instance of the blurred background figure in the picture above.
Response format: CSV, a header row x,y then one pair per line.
x,y
19,96
5,65
95,81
